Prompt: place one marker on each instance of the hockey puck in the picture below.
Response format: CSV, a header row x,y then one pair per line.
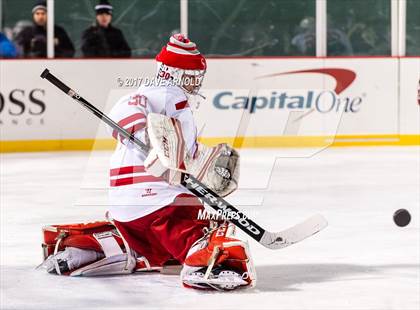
x,y
402,217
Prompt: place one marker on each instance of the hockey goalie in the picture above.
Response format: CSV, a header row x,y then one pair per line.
x,y
153,222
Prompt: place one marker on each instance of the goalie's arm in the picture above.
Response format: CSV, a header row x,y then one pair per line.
x,y
131,117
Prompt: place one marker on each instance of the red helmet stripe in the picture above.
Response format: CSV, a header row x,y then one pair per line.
x,y
182,61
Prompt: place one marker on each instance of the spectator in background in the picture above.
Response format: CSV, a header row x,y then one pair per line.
x,y
304,41
102,39
7,49
337,41
32,40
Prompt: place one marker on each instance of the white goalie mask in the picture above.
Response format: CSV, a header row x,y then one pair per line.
x,y
189,80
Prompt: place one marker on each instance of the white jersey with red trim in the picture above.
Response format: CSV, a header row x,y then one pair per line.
x,y
134,193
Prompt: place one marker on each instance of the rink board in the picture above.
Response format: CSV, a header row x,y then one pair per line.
x,y
250,102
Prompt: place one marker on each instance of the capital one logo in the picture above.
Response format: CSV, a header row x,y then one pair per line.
x,y
324,101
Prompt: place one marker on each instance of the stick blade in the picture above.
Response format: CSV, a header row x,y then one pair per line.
x,y
294,234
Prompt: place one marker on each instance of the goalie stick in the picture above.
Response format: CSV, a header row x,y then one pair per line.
x,y
271,240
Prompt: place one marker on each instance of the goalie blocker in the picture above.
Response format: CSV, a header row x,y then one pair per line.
x,y
216,167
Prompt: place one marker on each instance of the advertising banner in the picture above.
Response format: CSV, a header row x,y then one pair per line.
x,y
264,102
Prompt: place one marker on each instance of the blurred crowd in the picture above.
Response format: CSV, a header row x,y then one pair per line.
x,y
273,35
101,39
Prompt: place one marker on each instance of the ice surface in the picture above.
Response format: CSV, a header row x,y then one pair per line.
x,y
361,261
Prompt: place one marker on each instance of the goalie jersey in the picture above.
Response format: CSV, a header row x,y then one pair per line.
x,y
134,193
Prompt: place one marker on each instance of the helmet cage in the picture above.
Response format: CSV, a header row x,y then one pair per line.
x,y
167,75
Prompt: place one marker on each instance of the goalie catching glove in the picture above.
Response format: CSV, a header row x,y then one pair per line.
x,y
217,167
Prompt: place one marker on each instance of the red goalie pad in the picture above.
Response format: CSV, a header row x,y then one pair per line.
x,y
79,235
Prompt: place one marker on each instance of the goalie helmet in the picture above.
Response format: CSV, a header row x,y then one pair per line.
x,y
180,63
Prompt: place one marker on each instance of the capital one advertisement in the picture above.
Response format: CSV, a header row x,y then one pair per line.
x,y
346,93
249,98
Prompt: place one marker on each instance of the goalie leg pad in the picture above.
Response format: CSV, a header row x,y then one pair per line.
x,y
86,249
219,261
70,259
80,235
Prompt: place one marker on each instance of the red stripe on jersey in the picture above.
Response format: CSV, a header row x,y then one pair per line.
x,y
135,180
135,128
130,130
115,134
126,170
130,119
181,105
